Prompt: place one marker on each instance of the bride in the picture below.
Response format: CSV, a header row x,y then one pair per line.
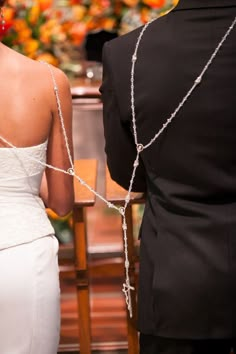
x,y
31,135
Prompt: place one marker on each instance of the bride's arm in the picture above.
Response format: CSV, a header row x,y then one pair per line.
x,y
57,190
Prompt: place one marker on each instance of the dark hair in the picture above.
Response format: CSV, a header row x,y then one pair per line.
x,y
2,2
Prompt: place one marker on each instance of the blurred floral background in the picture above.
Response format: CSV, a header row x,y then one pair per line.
x,y
50,30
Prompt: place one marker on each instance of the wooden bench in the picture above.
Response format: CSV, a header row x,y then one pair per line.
x,y
87,170
116,194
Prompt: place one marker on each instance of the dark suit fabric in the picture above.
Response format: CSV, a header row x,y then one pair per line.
x,y
160,345
187,283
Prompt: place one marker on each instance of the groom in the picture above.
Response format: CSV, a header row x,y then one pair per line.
x,y
187,282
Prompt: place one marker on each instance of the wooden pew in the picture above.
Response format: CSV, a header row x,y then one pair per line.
x,y
87,170
116,195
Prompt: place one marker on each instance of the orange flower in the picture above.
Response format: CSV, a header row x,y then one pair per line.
x,y
74,2
30,47
155,4
24,35
9,14
78,32
79,12
145,15
131,3
95,10
45,36
19,24
51,31
34,14
48,58
108,23
45,4
15,2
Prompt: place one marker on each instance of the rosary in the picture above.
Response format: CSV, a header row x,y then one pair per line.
x,y
127,288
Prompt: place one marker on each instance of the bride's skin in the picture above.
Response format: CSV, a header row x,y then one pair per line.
x,y
29,116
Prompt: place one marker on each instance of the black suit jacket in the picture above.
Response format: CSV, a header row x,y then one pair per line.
x,y
187,285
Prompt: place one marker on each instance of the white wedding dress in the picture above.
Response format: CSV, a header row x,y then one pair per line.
x,y
29,282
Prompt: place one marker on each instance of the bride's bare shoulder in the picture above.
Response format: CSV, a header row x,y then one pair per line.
x,y
35,68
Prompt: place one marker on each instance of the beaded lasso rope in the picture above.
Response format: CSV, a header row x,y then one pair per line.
x,y
139,146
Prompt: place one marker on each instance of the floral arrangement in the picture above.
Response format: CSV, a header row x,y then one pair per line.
x,y
37,29
121,16
42,31
143,11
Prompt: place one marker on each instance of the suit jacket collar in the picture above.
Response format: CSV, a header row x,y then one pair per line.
x,y
191,4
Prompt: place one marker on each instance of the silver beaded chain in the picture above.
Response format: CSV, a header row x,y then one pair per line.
x,y
139,147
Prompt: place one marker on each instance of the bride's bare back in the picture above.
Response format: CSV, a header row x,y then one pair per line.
x,y
29,116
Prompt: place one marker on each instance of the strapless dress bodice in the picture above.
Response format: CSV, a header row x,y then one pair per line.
x,y
22,213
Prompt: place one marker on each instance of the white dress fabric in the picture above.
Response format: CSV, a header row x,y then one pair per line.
x,y
22,213
29,281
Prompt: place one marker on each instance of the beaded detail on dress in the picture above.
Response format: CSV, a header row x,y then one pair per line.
x,y
22,213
